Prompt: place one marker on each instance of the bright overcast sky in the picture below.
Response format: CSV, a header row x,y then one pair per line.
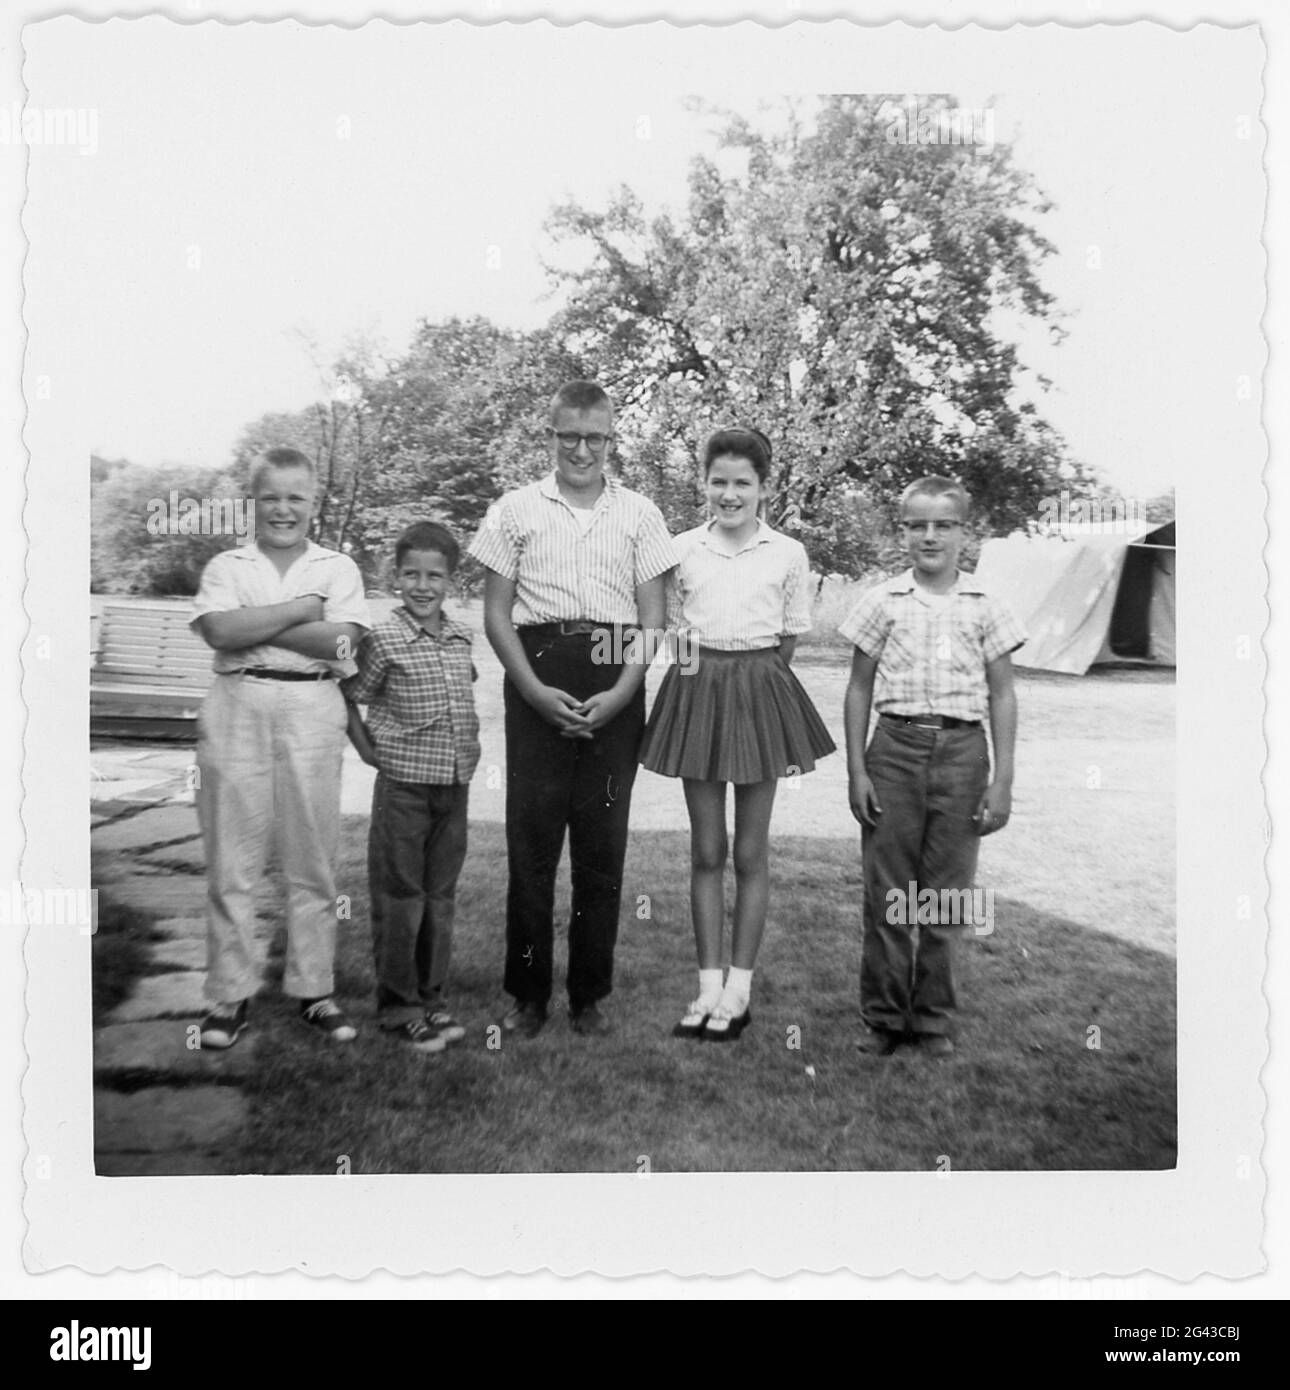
x,y
251,184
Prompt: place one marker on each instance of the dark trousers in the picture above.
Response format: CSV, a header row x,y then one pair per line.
x,y
929,783
415,849
554,784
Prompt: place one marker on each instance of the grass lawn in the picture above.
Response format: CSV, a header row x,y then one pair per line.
x,y
1025,1091
1082,953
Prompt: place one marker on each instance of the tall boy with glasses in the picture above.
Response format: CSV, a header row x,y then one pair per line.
x,y
939,647
576,566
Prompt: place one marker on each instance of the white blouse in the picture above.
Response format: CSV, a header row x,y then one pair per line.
x,y
744,601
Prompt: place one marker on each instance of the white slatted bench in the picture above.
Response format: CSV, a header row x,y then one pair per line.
x,y
150,665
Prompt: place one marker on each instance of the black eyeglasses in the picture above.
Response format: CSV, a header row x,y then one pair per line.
x,y
594,442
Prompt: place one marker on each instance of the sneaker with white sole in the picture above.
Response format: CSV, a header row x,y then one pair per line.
x,y
326,1016
447,1027
418,1036
222,1027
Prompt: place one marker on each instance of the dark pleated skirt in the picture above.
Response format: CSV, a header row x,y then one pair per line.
x,y
733,717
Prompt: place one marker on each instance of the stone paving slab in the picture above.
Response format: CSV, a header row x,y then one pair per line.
x,y
159,1119
168,895
188,951
163,1165
178,929
163,996
189,856
149,827
162,1046
130,790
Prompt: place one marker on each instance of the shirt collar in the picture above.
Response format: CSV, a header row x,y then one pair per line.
x,y
549,488
251,551
449,628
906,583
763,535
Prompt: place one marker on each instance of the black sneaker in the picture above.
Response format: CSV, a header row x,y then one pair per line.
x,y
876,1042
222,1027
589,1022
526,1017
325,1016
442,1022
417,1036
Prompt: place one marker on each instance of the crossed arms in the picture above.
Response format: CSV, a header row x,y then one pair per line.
x,y
296,625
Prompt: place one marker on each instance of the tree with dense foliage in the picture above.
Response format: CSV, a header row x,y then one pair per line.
x,y
843,291
146,533
432,435
848,281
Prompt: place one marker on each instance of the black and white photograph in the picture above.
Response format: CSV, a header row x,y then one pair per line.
x,y
618,592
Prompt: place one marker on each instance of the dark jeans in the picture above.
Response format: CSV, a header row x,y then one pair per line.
x,y
929,783
415,849
554,784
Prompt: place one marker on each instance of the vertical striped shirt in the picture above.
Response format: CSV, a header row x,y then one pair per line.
x,y
741,601
420,705
245,577
932,653
564,570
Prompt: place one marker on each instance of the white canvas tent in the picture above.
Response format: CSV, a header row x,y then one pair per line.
x,y
1085,597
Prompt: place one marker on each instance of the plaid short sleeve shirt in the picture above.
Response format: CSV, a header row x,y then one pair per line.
x,y
932,655
420,704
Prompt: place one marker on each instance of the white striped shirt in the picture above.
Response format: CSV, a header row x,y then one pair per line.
x,y
564,571
743,601
245,577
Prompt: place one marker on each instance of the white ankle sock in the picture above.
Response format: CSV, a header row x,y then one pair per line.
x,y
738,987
710,985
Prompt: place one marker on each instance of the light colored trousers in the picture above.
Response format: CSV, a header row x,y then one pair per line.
x,y
268,761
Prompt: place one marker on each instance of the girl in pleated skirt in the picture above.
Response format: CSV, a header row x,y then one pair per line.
x,y
730,710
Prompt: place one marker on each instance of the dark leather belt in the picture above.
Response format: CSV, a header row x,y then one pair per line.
x,y
575,627
265,673
932,721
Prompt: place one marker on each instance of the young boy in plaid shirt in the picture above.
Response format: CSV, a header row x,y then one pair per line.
x,y
939,648
422,736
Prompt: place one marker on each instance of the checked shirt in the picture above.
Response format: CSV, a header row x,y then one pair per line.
x,y
420,705
932,656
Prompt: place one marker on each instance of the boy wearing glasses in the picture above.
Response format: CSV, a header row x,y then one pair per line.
x,y
938,648
576,565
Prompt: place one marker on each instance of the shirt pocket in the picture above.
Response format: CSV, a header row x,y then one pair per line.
x,y
414,703
966,650
899,653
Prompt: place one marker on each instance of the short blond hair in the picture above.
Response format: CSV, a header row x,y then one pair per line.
x,y
936,486
581,395
281,458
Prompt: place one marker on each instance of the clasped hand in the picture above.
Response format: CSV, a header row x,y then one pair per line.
x,y
576,718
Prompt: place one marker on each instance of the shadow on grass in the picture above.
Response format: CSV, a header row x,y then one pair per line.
x,y
1066,1048
119,953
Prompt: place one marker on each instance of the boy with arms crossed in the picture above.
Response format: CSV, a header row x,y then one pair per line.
x,y
283,616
